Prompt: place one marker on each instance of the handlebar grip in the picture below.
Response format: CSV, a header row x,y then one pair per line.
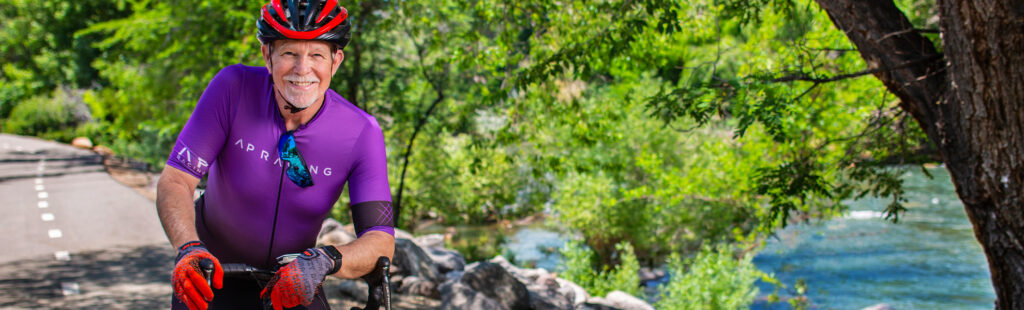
x,y
233,269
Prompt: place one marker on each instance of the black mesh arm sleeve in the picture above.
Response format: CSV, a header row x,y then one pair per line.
x,y
369,214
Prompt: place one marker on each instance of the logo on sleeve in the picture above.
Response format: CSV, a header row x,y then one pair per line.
x,y
192,160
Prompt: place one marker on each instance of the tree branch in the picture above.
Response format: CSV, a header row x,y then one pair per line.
x,y
802,76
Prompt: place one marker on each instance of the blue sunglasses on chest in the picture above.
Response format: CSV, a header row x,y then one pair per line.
x,y
297,170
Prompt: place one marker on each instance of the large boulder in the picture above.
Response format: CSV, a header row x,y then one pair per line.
x,y
573,291
415,286
495,283
446,260
456,295
412,261
546,294
545,290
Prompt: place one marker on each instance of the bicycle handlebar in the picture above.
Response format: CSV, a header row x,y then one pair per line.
x,y
378,280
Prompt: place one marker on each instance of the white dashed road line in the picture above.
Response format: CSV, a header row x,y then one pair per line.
x,y
68,288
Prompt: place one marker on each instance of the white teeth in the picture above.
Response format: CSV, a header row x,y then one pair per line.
x,y
302,83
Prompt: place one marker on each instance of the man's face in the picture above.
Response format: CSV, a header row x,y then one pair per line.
x,y
301,69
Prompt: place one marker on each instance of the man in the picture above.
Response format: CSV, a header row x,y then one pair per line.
x,y
277,147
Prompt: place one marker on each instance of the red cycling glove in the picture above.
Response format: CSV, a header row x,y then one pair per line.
x,y
189,283
297,282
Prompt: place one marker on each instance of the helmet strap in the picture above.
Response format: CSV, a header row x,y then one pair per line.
x,y
291,107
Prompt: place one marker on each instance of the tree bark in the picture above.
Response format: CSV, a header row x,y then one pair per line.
x,y
968,103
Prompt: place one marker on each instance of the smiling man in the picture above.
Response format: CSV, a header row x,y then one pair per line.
x,y
278,146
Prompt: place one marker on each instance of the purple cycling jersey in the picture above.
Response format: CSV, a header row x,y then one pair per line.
x,y
251,211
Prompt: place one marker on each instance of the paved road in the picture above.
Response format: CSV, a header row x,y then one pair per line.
x,y
110,251
73,238
56,200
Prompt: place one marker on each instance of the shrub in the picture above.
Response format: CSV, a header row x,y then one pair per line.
x,y
714,279
578,267
54,115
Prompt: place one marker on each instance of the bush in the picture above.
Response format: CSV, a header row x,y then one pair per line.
x,y
52,116
578,267
715,280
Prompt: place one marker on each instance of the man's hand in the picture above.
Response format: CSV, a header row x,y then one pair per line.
x,y
190,284
297,282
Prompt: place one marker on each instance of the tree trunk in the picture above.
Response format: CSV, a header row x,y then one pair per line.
x,y
968,103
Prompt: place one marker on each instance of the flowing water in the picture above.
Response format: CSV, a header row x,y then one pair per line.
x,y
929,260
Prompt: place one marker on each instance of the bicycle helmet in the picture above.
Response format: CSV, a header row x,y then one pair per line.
x,y
304,20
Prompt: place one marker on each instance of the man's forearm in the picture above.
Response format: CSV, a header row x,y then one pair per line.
x,y
175,207
360,256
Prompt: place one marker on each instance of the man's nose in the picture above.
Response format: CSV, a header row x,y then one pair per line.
x,y
303,65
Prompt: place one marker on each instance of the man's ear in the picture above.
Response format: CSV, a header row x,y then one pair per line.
x,y
339,56
265,48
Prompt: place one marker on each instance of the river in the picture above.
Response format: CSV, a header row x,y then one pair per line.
x,y
929,260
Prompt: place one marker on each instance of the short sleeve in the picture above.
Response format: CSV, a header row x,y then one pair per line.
x,y
368,179
203,136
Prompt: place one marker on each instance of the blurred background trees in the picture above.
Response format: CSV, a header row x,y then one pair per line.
x,y
651,130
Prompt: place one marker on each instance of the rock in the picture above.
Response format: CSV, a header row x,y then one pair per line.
x,y
524,275
420,287
103,150
333,232
649,275
458,296
430,241
595,306
82,143
546,294
879,307
446,260
401,234
354,289
497,283
570,289
411,260
621,300
545,290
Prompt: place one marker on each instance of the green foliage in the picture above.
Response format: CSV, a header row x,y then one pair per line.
x,y
714,279
50,115
665,125
800,148
580,268
158,59
39,50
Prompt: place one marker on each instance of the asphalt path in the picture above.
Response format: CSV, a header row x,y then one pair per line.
x,y
57,199
71,235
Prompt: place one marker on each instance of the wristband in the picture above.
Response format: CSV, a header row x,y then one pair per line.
x,y
333,253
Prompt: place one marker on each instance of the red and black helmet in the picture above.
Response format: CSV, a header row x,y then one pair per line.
x,y
304,20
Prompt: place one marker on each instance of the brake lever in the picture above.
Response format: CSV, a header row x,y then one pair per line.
x,y
206,265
